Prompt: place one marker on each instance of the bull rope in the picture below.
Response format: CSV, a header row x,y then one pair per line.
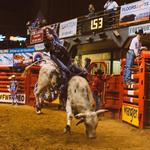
x,y
28,67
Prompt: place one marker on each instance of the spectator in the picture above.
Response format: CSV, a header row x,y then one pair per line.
x,y
97,85
43,23
110,5
28,25
87,64
133,52
13,87
91,10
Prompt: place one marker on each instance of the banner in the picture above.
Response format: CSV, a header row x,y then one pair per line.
x,y
130,114
6,60
68,28
21,50
145,27
6,98
134,12
23,58
39,47
4,51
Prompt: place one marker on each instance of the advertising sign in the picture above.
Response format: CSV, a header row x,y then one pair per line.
x,y
22,58
133,29
130,114
36,36
21,50
6,98
37,56
68,28
134,12
39,47
6,60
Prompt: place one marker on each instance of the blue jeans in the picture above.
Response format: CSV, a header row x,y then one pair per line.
x,y
97,100
60,64
14,98
129,63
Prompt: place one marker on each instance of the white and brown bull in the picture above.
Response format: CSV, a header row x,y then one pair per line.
x,y
48,79
80,103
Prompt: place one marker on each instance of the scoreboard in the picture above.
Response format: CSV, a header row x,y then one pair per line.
x,y
92,25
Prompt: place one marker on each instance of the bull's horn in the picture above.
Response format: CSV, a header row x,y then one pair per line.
x,y
101,111
80,121
81,115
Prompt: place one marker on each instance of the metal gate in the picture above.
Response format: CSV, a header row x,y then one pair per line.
x,y
136,97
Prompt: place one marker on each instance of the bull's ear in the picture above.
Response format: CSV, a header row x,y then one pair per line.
x,y
81,115
101,111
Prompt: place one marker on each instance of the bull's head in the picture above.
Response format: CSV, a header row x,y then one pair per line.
x,y
90,120
54,78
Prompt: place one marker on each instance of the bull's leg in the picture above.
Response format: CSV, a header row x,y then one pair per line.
x,y
69,117
38,97
38,103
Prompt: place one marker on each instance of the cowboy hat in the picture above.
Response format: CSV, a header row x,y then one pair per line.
x,y
140,31
87,59
12,76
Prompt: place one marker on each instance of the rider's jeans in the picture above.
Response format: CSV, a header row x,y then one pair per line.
x,y
129,63
60,64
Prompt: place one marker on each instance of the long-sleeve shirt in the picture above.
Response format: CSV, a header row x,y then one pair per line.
x,y
97,84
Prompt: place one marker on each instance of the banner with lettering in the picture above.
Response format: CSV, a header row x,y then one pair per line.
x,y
133,29
134,12
130,114
6,98
68,28
36,36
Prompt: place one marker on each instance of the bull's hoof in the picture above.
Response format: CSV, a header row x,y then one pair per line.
x,y
67,129
38,112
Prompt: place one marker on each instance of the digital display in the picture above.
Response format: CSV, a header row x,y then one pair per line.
x,y
92,25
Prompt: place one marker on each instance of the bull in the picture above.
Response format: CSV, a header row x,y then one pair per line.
x,y
80,102
49,75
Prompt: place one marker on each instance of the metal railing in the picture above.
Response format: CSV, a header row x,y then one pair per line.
x,y
110,21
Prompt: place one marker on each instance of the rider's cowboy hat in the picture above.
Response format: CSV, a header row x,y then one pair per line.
x,y
140,31
11,77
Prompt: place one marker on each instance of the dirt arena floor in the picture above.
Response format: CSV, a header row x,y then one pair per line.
x,y
22,129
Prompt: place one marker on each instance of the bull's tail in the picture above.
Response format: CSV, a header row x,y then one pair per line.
x,y
28,67
90,97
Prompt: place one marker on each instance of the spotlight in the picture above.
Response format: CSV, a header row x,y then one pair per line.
x,y
90,39
116,34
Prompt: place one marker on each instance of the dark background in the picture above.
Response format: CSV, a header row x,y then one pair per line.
x,y
15,13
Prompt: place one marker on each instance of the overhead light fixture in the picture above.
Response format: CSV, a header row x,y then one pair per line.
x,y
116,33
90,39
